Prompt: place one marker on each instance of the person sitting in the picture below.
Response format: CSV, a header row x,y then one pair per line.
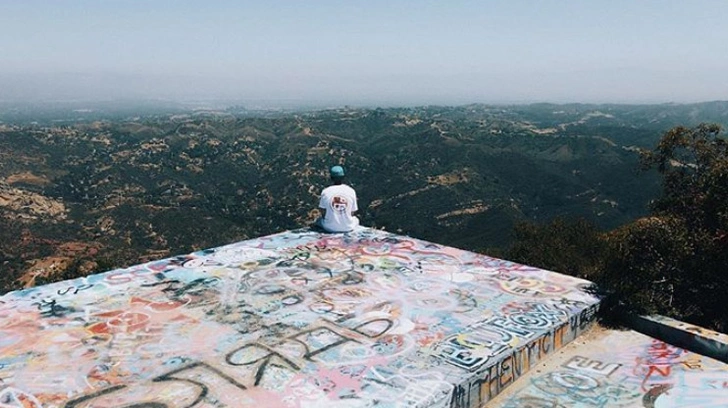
x,y
338,205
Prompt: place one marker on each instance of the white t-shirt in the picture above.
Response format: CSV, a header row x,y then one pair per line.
x,y
339,201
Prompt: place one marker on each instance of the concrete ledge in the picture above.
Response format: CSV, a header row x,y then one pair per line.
x,y
690,337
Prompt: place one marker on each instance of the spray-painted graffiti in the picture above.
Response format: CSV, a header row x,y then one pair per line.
x,y
512,343
625,369
656,365
585,364
290,320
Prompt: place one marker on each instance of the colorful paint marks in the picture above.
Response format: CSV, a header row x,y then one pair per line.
x,y
297,319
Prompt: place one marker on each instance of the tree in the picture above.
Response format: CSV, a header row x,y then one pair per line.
x,y
676,261
573,247
694,166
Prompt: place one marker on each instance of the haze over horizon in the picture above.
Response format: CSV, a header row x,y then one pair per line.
x,y
406,52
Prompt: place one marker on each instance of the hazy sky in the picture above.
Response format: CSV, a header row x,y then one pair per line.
x,y
384,52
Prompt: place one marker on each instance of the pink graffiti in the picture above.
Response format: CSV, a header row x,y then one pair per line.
x,y
659,361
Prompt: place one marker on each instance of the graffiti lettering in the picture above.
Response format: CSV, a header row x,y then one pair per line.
x,y
191,384
288,354
585,364
659,361
51,308
259,353
75,289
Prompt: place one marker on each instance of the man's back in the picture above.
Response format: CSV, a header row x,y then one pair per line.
x,y
339,201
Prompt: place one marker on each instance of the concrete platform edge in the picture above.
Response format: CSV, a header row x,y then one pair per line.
x,y
690,340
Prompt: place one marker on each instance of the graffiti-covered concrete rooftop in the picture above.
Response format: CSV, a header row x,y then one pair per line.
x,y
297,319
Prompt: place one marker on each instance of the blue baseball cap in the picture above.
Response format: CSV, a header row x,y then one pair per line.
x,y
337,171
